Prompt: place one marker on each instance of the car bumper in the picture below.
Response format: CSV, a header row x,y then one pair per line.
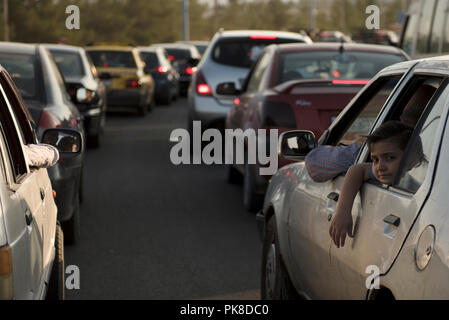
x,y
125,98
208,110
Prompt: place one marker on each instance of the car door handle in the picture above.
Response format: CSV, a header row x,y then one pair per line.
x,y
333,196
28,217
42,191
393,220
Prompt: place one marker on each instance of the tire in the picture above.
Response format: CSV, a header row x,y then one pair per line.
x,y
233,176
142,110
72,227
166,100
56,286
275,281
251,200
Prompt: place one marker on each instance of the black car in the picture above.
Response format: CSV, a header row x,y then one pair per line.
x,y
79,72
185,58
165,76
41,86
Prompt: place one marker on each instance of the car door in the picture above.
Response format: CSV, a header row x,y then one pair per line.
x,y
384,215
312,204
21,200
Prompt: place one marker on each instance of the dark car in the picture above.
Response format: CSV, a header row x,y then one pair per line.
x,y
298,86
79,72
41,85
185,58
165,76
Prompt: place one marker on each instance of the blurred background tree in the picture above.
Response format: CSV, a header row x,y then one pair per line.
x,y
142,22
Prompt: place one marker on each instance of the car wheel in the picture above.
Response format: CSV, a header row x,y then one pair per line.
x,y
142,110
251,200
233,175
275,282
56,286
72,227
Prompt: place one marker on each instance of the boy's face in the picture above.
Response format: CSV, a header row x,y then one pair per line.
x,y
386,158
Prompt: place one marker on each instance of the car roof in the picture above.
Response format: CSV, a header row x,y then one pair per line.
x,y
149,49
109,48
64,47
324,46
18,47
247,33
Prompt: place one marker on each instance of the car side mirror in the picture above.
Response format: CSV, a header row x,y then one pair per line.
x,y
69,142
295,145
227,89
105,76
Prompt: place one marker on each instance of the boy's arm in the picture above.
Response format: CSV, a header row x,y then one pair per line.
x,y
342,222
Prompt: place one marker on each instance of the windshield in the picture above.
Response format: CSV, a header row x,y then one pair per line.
x,y
333,65
242,53
22,69
113,59
69,63
150,59
179,54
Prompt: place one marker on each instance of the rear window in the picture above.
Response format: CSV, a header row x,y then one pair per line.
x,y
22,69
150,59
69,63
333,65
242,53
113,59
179,54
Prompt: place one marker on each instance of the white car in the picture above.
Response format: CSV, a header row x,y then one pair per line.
x,y
400,246
31,240
228,58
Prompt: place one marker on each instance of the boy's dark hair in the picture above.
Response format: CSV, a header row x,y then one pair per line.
x,y
394,131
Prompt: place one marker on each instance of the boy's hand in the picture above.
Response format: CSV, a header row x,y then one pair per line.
x,y
340,227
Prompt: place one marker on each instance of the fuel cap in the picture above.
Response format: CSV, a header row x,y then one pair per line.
x,y
424,248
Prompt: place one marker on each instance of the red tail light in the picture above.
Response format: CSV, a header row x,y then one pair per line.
x,y
171,58
351,82
48,120
162,69
202,88
133,83
190,70
236,101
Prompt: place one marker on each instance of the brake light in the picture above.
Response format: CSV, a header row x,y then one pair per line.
x,y
171,58
351,82
162,69
6,274
236,101
190,70
262,37
202,88
133,83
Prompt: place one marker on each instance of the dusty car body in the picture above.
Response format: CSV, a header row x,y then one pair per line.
x,y
400,246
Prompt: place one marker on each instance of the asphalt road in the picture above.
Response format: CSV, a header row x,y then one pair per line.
x,y
153,230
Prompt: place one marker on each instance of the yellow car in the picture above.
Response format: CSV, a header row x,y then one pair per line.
x,y
128,83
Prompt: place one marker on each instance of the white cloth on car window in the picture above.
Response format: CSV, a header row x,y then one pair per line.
x,y
41,155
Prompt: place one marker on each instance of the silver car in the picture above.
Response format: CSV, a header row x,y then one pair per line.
x,y
400,247
228,58
31,240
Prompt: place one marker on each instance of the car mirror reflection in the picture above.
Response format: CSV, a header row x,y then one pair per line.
x,y
65,140
295,145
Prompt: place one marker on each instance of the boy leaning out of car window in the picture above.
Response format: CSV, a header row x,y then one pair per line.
x,y
386,145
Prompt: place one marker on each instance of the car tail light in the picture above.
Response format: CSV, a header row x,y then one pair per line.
x,y
6,274
236,101
190,70
202,88
171,58
351,82
132,83
162,69
262,37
